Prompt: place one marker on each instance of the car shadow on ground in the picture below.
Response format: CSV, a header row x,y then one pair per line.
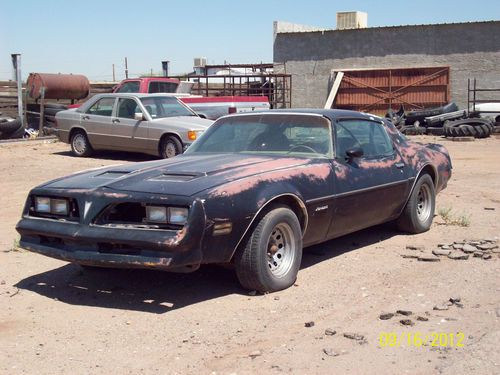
x,y
354,241
159,292
113,155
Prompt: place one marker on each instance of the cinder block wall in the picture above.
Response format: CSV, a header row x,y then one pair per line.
x,y
469,49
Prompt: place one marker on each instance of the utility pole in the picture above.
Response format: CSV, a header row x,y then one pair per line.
x,y
126,68
16,64
114,79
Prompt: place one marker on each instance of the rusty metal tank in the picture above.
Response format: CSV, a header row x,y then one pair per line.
x,y
58,86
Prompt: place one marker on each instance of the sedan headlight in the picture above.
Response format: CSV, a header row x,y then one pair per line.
x,y
56,206
177,215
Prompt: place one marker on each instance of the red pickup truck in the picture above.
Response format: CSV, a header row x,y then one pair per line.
x,y
208,107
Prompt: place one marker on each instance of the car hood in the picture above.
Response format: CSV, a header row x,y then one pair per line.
x,y
183,175
188,122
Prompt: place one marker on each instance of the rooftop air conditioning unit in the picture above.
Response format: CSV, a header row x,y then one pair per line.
x,y
200,62
352,20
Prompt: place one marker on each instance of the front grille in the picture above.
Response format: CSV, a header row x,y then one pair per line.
x,y
129,215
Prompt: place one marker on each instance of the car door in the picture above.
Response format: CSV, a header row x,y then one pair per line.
x,y
97,122
369,189
129,133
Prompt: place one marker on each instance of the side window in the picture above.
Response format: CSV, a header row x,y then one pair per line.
x,y
168,87
127,108
103,107
370,136
152,109
129,87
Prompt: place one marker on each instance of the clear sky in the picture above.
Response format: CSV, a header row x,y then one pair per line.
x,y
88,36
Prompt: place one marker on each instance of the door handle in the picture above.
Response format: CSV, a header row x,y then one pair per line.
x,y
115,121
85,118
400,165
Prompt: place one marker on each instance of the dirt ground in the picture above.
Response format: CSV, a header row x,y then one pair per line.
x,y
56,318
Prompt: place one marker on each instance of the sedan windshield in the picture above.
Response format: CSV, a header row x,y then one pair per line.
x,y
165,106
275,133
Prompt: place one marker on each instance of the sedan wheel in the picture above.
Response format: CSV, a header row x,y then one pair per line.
x,y
270,260
80,144
170,146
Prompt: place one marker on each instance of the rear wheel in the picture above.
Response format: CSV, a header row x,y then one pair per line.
x,y
80,144
419,210
170,146
271,259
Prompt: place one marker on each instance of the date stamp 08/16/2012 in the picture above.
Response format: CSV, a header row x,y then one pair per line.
x,y
420,339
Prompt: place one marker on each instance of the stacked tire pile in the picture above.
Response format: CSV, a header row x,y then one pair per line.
x,y
10,128
50,110
445,121
470,127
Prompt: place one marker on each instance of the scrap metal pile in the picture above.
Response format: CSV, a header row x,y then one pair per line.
x,y
446,121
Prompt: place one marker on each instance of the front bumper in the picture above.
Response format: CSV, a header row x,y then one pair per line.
x,y
117,246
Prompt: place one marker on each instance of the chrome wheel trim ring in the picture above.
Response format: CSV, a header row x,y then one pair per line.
x,y
424,203
281,250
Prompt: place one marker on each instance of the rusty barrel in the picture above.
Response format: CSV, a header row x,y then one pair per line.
x,y
58,86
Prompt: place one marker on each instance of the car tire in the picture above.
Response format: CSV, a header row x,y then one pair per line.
x,y
80,145
471,127
270,259
170,146
419,210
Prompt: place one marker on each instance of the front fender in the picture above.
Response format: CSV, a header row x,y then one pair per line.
x,y
239,209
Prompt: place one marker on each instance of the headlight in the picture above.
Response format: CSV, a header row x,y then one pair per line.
x,y
42,204
46,205
156,214
170,215
177,215
59,206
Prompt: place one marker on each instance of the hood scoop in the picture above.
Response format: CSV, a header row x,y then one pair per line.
x,y
112,174
176,177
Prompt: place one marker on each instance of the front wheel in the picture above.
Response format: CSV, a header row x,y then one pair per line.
x,y
271,259
170,146
419,210
80,144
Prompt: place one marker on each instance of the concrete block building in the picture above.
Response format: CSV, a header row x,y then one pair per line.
x,y
433,62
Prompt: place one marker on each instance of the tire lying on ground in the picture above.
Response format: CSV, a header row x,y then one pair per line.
x,y
476,127
11,129
435,130
412,130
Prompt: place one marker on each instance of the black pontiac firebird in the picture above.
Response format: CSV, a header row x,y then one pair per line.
x,y
253,190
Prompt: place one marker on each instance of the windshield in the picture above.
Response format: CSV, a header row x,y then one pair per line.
x,y
275,133
165,106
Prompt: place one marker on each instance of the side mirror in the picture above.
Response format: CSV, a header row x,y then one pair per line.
x,y
355,152
138,116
